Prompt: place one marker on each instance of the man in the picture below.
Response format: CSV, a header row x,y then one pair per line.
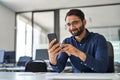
x,y
86,50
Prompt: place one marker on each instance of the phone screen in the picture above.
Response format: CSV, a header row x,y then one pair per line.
x,y
52,36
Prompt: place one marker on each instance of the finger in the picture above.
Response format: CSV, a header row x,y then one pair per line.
x,y
56,46
66,49
65,45
52,50
56,54
51,43
57,50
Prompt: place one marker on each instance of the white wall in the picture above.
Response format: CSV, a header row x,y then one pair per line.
x,y
7,25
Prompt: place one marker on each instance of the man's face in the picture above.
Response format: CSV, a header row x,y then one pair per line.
x,y
75,25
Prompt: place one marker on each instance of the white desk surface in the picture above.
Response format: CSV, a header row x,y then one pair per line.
x,y
12,69
58,76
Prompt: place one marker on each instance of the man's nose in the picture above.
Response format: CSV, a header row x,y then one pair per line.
x,y
72,26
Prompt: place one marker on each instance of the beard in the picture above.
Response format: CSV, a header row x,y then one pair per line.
x,y
77,31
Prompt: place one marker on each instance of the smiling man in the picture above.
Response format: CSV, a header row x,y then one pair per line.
x,y
86,50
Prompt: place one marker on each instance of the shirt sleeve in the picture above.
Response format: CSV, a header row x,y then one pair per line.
x,y
61,61
98,63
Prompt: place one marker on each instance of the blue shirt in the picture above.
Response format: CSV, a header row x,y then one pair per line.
x,y
94,46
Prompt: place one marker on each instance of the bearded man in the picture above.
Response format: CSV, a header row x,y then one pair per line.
x,y
87,51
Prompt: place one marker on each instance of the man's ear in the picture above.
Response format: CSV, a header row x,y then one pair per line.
x,y
84,22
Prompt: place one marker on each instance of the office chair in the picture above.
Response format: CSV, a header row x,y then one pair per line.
x,y
36,66
23,60
2,56
111,57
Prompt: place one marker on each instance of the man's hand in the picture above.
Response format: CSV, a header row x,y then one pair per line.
x,y
53,51
71,50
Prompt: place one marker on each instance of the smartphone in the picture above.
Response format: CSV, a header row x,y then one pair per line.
x,y
52,36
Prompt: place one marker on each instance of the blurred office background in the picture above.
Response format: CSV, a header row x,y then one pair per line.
x,y
24,24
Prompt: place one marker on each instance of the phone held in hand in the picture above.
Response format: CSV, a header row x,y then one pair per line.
x,y
52,36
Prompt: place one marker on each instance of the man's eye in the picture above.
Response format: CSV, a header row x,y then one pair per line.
x,y
68,24
75,22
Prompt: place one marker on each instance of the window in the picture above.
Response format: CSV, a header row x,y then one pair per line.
x,y
43,24
24,36
30,38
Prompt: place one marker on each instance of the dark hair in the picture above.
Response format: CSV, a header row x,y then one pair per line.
x,y
76,12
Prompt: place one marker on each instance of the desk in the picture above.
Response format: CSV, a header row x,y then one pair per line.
x,y
22,69
21,76
12,69
83,76
16,69
58,76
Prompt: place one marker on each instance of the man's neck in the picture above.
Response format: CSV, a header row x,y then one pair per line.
x,y
80,37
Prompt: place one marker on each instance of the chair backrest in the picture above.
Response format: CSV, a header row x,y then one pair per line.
x,y
2,56
36,66
111,58
23,60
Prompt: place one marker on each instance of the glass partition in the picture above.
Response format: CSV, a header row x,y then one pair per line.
x,y
43,24
24,35
31,33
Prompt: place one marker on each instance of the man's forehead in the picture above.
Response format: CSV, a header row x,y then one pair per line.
x,y
72,18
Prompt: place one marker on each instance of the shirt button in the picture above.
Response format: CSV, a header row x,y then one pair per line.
x,y
85,64
80,62
92,68
80,44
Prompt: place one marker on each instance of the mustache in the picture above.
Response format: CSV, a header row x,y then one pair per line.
x,y
75,29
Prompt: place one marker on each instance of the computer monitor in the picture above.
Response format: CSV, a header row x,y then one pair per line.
x,y
9,57
2,56
41,54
